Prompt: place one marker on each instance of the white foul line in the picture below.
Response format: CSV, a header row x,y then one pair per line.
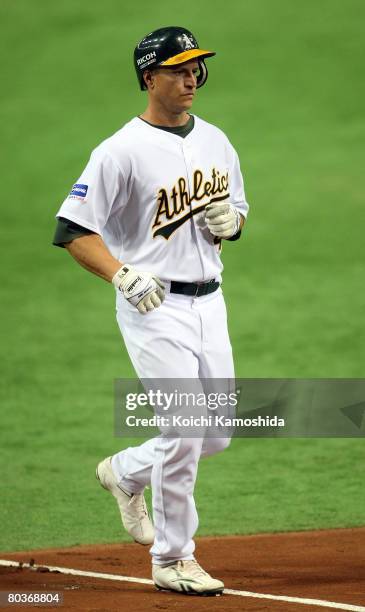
x,y
300,600
116,577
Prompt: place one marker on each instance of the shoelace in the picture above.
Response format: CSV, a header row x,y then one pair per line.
x,y
193,567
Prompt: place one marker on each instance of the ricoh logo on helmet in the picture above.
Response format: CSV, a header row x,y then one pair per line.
x,y
146,57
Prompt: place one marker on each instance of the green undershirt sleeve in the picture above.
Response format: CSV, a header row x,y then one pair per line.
x,y
67,230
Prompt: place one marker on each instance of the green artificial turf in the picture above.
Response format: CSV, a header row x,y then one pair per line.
x,y
53,499
287,88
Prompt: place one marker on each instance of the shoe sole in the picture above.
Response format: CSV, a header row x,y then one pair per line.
x,y
214,593
98,478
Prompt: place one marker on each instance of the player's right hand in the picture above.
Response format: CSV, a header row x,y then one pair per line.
x,y
145,291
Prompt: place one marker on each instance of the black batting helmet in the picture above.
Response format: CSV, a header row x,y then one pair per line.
x,y
169,47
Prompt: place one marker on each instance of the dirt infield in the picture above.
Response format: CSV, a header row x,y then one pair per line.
x,y
321,565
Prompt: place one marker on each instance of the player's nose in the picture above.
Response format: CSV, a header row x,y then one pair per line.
x,y
190,80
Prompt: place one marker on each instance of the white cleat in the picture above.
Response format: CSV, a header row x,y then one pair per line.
x,y
186,577
133,509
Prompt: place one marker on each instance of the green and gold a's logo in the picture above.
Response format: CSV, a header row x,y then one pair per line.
x,y
178,201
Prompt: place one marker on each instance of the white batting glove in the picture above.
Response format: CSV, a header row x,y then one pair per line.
x,y
223,219
144,291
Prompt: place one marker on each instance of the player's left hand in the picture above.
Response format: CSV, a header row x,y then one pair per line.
x,y
223,219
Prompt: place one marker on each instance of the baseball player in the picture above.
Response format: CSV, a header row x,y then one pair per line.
x,y
149,214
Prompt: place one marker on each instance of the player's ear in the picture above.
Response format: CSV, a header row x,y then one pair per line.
x,y
148,78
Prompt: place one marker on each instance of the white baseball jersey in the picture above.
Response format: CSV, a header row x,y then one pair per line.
x,y
144,191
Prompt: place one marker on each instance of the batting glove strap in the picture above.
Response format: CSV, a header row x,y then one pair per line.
x,y
223,220
141,289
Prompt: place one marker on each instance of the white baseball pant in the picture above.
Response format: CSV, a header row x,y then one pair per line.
x,y
186,337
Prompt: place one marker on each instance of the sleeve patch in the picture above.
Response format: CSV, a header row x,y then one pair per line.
x,y
79,191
